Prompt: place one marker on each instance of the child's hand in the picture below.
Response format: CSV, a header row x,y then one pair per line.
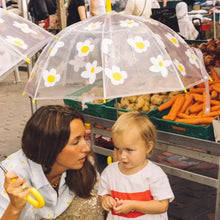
x,y
123,206
108,202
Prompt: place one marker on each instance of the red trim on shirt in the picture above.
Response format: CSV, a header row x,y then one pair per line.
x,y
139,196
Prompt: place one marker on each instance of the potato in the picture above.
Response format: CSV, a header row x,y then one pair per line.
x,y
132,99
156,100
124,102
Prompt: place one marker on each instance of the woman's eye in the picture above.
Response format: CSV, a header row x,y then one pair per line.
x,y
129,150
117,149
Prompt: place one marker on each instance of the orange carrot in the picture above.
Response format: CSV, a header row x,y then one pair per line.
x,y
168,104
195,108
201,85
166,117
196,121
212,114
197,97
214,73
214,94
204,101
200,113
214,102
183,115
216,87
187,101
215,108
196,90
176,107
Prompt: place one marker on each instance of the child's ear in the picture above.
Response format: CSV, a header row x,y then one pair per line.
x,y
150,147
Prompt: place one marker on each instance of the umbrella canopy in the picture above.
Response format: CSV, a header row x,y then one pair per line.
x,y
114,55
20,39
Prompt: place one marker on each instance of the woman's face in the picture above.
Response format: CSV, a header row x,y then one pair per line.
x,y
74,154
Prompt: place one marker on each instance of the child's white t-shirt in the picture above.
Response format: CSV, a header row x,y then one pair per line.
x,y
151,182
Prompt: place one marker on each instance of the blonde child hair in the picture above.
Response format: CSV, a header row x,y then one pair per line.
x,y
139,121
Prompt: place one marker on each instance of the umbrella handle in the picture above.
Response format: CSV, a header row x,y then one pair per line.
x,y
38,201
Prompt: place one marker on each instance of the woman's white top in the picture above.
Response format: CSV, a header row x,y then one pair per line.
x,y
34,175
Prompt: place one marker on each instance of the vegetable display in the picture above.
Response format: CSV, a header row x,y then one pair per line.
x,y
190,107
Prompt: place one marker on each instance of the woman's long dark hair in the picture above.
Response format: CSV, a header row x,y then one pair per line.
x,y
46,134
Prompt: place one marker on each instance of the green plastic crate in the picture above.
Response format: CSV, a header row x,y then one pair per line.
x,y
197,131
91,108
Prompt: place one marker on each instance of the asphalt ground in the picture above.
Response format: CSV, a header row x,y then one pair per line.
x,y
193,201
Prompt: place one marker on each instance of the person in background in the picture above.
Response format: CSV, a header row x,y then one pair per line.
x,y
55,159
76,11
96,7
142,7
134,187
186,28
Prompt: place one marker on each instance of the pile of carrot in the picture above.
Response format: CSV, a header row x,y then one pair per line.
x,y
190,107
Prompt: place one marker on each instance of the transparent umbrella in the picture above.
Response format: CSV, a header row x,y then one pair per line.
x,y
20,39
114,55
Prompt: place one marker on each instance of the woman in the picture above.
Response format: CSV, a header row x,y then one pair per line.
x,y
142,7
97,7
76,11
54,160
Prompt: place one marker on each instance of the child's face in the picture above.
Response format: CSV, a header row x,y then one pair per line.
x,y
131,151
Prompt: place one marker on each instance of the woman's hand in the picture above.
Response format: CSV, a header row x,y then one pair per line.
x,y
17,190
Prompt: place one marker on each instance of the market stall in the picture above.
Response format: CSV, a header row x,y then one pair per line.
x,y
75,69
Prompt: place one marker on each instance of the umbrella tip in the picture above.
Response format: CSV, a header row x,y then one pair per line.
x,y
27,59
23,93
33,101
57,38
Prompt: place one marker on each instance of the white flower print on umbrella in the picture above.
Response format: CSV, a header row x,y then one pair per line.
x,y
152,21
93,26
159,40
172,39
24,27
105,45
17,42
50,77
128,23
54,50
91,70
180,67
2,20
192,57
116,75
77,62
139,44
160,65
84,48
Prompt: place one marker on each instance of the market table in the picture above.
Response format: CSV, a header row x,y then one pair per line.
x,y
172,143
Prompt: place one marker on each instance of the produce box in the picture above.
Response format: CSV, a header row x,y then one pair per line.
x,y
91,109
94,109
110,112
197,131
